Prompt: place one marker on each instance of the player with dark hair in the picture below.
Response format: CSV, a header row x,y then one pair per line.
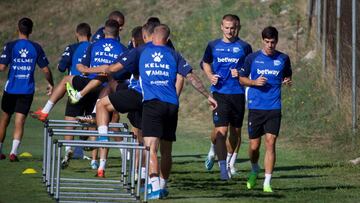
x,y
21,56
264,72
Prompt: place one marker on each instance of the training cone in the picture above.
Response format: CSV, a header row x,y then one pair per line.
x,y
25,154
29,171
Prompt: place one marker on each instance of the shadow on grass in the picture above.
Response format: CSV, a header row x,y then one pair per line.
x,y
302,167
337,187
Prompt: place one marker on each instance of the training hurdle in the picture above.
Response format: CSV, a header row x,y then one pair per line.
x,y
126,182
49,126
98,190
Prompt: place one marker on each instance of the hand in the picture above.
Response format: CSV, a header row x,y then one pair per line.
x,y
49,89
214,79
234,72
212,102
287,81
260,81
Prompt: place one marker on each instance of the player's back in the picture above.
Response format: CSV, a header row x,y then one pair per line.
x,y
22,56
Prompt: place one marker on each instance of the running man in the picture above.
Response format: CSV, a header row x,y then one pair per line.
x,y
105,51
158,66
264,72
72,56
221,62
115,15
21,56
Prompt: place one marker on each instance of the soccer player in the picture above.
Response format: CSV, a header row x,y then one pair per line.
x,y
114,15
105,51
221,62
158,66
71,56
21,56
264,72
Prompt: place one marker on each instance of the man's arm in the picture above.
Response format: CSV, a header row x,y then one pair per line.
x,y
49,78
197,84
2,67
179,84
209,74
260,81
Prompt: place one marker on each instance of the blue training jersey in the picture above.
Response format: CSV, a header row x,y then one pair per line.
x,y
72,56
102,52
223,57
158,67
99,34
275,68
21,56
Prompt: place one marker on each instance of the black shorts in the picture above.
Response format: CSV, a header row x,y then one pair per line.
x,y
263,121
160,120
19,103
86,104
79,109
135,118
230,110
128,101
122,85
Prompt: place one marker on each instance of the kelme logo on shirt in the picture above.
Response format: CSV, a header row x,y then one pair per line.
x,y
107,47
277,62
23,53
157,57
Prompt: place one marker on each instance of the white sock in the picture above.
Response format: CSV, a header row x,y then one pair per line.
x,y
233,160
103,129
67,148
102,164
1,145
143,172
155,183
94,110
267,179
255,167
212,150
15,146
78,96
163,183
228,158
48,106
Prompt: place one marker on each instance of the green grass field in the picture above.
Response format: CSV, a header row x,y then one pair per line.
x,y
314,144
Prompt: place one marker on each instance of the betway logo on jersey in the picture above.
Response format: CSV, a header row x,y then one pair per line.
x,y
267,72
157,72
227,60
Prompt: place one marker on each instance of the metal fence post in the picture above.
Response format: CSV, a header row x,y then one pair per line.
x,y
324,37
337,71
354,94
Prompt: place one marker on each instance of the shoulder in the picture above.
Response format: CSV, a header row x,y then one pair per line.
x,y
215,42
253,55
243,43
37,46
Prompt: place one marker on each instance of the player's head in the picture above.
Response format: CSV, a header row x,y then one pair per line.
x,y
161,33
228,26
237,24
83,29
25,26
153,20
136,36
147,31
111,28
269,39
119,17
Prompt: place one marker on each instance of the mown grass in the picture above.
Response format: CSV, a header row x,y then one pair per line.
x,y
314,143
